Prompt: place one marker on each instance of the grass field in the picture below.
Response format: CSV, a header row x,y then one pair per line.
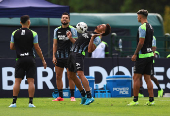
x,y
100,107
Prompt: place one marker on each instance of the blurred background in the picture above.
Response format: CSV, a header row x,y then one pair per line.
x,y
161,7
128,6
120,14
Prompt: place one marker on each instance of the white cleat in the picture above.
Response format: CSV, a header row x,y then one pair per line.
x,y
13,105
31,105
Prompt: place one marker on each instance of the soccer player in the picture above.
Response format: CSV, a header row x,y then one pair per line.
x,y
143,58
86,40
62,45
101,51
160,91
23,40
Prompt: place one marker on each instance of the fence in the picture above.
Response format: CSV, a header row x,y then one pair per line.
x,y
129,45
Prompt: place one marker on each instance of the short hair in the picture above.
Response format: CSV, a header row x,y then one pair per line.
x,y
107,31
65,13
143,12
24,19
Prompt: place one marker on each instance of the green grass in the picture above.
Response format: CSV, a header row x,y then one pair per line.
x,y
100,107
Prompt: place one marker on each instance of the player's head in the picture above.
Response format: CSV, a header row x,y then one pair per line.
x,y
103,28
25,20
65,18
142,14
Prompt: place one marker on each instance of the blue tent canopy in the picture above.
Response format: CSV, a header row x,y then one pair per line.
x,y
33,8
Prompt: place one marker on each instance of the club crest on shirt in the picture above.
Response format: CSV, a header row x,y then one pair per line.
x,y
67,32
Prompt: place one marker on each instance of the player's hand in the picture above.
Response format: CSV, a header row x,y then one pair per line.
x,y
54,60
134,58
154,54
69,34
44,64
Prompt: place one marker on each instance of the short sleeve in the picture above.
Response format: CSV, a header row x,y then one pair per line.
x,y
97,41
55,33
154,42
74,33
12,36
142,32
12,39
35,39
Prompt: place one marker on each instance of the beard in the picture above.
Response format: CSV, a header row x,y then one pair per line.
x,y
64,23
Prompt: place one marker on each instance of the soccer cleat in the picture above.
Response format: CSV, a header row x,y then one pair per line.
x,y
58,99
13,106
140,95
160,93
150,103
73,99
31,105
132,103
89,101
83,100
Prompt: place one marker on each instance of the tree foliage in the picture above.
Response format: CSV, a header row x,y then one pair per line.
x,y
167,19
118,6
91,6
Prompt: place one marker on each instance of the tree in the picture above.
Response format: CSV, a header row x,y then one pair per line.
x,y
91,6
167,19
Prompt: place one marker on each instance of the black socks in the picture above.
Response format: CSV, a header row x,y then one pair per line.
x,y
83,93
60,93
14,99
72,92
151,99
135,99
31,100
88,94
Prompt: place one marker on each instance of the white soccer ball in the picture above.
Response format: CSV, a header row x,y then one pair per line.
x,y
81,27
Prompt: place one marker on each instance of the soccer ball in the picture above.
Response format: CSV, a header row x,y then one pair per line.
x,y
81,27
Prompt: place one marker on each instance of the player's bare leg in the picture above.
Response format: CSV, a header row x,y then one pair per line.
x,y
31,91
59,83
71,85
150,90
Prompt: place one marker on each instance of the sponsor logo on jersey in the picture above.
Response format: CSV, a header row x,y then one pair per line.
x,y
24,54
63,37
85,35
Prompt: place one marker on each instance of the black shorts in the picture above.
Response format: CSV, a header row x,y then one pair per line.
x,y
143,65
152,69
62,62
25,66
75,62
